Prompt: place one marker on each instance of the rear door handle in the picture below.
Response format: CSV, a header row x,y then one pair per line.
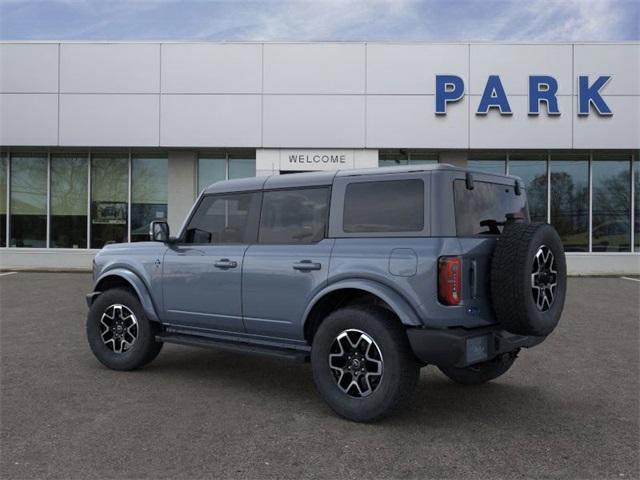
x,y
225,263
306,265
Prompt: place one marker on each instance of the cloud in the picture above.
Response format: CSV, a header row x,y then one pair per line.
x,y
330,20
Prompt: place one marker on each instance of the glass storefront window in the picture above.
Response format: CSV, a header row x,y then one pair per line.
x,y
570,200
28,222
149,194
68,210
109,194
636,194
532,169
422,158
392,158
214,167
488,162
242,165
611,205
211,169
4,161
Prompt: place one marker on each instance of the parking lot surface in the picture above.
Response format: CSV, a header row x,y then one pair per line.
x,y
567,409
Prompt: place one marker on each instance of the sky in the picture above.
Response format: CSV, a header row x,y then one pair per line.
x,y
321,20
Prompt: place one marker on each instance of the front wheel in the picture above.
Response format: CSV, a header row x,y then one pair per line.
x,y
119,334
481,372
363,366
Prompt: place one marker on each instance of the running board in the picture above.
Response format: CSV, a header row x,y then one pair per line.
x,y
239,347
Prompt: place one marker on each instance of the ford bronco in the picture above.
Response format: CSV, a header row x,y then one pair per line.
x,y
369,274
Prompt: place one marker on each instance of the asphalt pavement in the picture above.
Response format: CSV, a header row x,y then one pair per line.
x,y
568,408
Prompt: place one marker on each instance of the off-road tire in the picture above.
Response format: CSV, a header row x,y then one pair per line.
x,y
145,347
482,372
511,278
400,367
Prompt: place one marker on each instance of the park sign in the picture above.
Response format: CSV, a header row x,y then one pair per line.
x,y
542,90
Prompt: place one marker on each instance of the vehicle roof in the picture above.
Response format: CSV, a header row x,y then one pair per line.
x,y
311,179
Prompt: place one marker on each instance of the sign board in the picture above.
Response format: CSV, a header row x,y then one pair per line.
x,y
318,160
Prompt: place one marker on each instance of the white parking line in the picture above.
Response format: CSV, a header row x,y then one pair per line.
x,y
7,273
632,279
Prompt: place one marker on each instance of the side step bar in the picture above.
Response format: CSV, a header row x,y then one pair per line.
x,y
232,346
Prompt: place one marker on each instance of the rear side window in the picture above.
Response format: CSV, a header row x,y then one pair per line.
x,y
295,216
224,219
483,210
384,206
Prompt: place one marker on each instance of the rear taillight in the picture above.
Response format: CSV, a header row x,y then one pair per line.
x,y
449,280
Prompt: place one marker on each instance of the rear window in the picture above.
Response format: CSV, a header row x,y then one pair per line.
x,y
296,216
483,210
384,206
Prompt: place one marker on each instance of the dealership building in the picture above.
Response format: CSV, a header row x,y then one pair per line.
x,y
98,139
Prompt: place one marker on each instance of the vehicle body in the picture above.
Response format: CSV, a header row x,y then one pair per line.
x,y
260,264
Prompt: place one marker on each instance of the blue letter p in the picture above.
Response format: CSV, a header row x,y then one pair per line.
x,y
449,88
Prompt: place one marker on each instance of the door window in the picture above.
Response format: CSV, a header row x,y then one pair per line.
x,y
224,219
296,216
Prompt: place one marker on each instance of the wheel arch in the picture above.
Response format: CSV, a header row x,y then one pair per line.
x,y
354,291
123,278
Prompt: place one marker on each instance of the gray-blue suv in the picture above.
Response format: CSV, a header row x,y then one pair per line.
x,y
369,274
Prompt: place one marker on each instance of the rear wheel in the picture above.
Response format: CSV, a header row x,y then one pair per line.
x,y
363,366
482,372
119,334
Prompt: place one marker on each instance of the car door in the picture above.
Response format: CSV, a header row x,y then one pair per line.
x,y
289,263
202,272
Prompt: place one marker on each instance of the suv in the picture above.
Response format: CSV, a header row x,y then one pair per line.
x,y
369,274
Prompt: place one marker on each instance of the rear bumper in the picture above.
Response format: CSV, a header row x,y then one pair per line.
x,y
460,347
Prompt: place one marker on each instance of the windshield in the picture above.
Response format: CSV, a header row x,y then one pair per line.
x,y
484,210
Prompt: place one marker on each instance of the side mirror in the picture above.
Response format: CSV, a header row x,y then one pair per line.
x,y
159,231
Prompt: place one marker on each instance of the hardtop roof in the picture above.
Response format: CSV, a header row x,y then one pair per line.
x,y
311,179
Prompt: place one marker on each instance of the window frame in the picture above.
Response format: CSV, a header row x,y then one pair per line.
x,y
325,233
340,184
252,222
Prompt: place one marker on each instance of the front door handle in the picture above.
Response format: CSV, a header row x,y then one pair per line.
x,y
305,265
225,263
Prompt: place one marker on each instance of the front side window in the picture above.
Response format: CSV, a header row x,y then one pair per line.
x,y
224,219
296,216
484,209
385,206
28,201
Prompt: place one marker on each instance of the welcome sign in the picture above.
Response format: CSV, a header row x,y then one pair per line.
x,y
306,160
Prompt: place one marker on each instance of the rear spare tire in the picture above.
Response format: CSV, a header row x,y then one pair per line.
x,y
528,278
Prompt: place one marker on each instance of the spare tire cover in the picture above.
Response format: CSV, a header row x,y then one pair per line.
x,y
528,278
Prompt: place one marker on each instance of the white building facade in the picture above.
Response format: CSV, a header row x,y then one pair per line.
x,y
98,139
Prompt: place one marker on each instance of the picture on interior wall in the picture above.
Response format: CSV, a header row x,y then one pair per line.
x,y
110,213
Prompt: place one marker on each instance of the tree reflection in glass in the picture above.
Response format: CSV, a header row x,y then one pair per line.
x,y
611,186
570,200
532,169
